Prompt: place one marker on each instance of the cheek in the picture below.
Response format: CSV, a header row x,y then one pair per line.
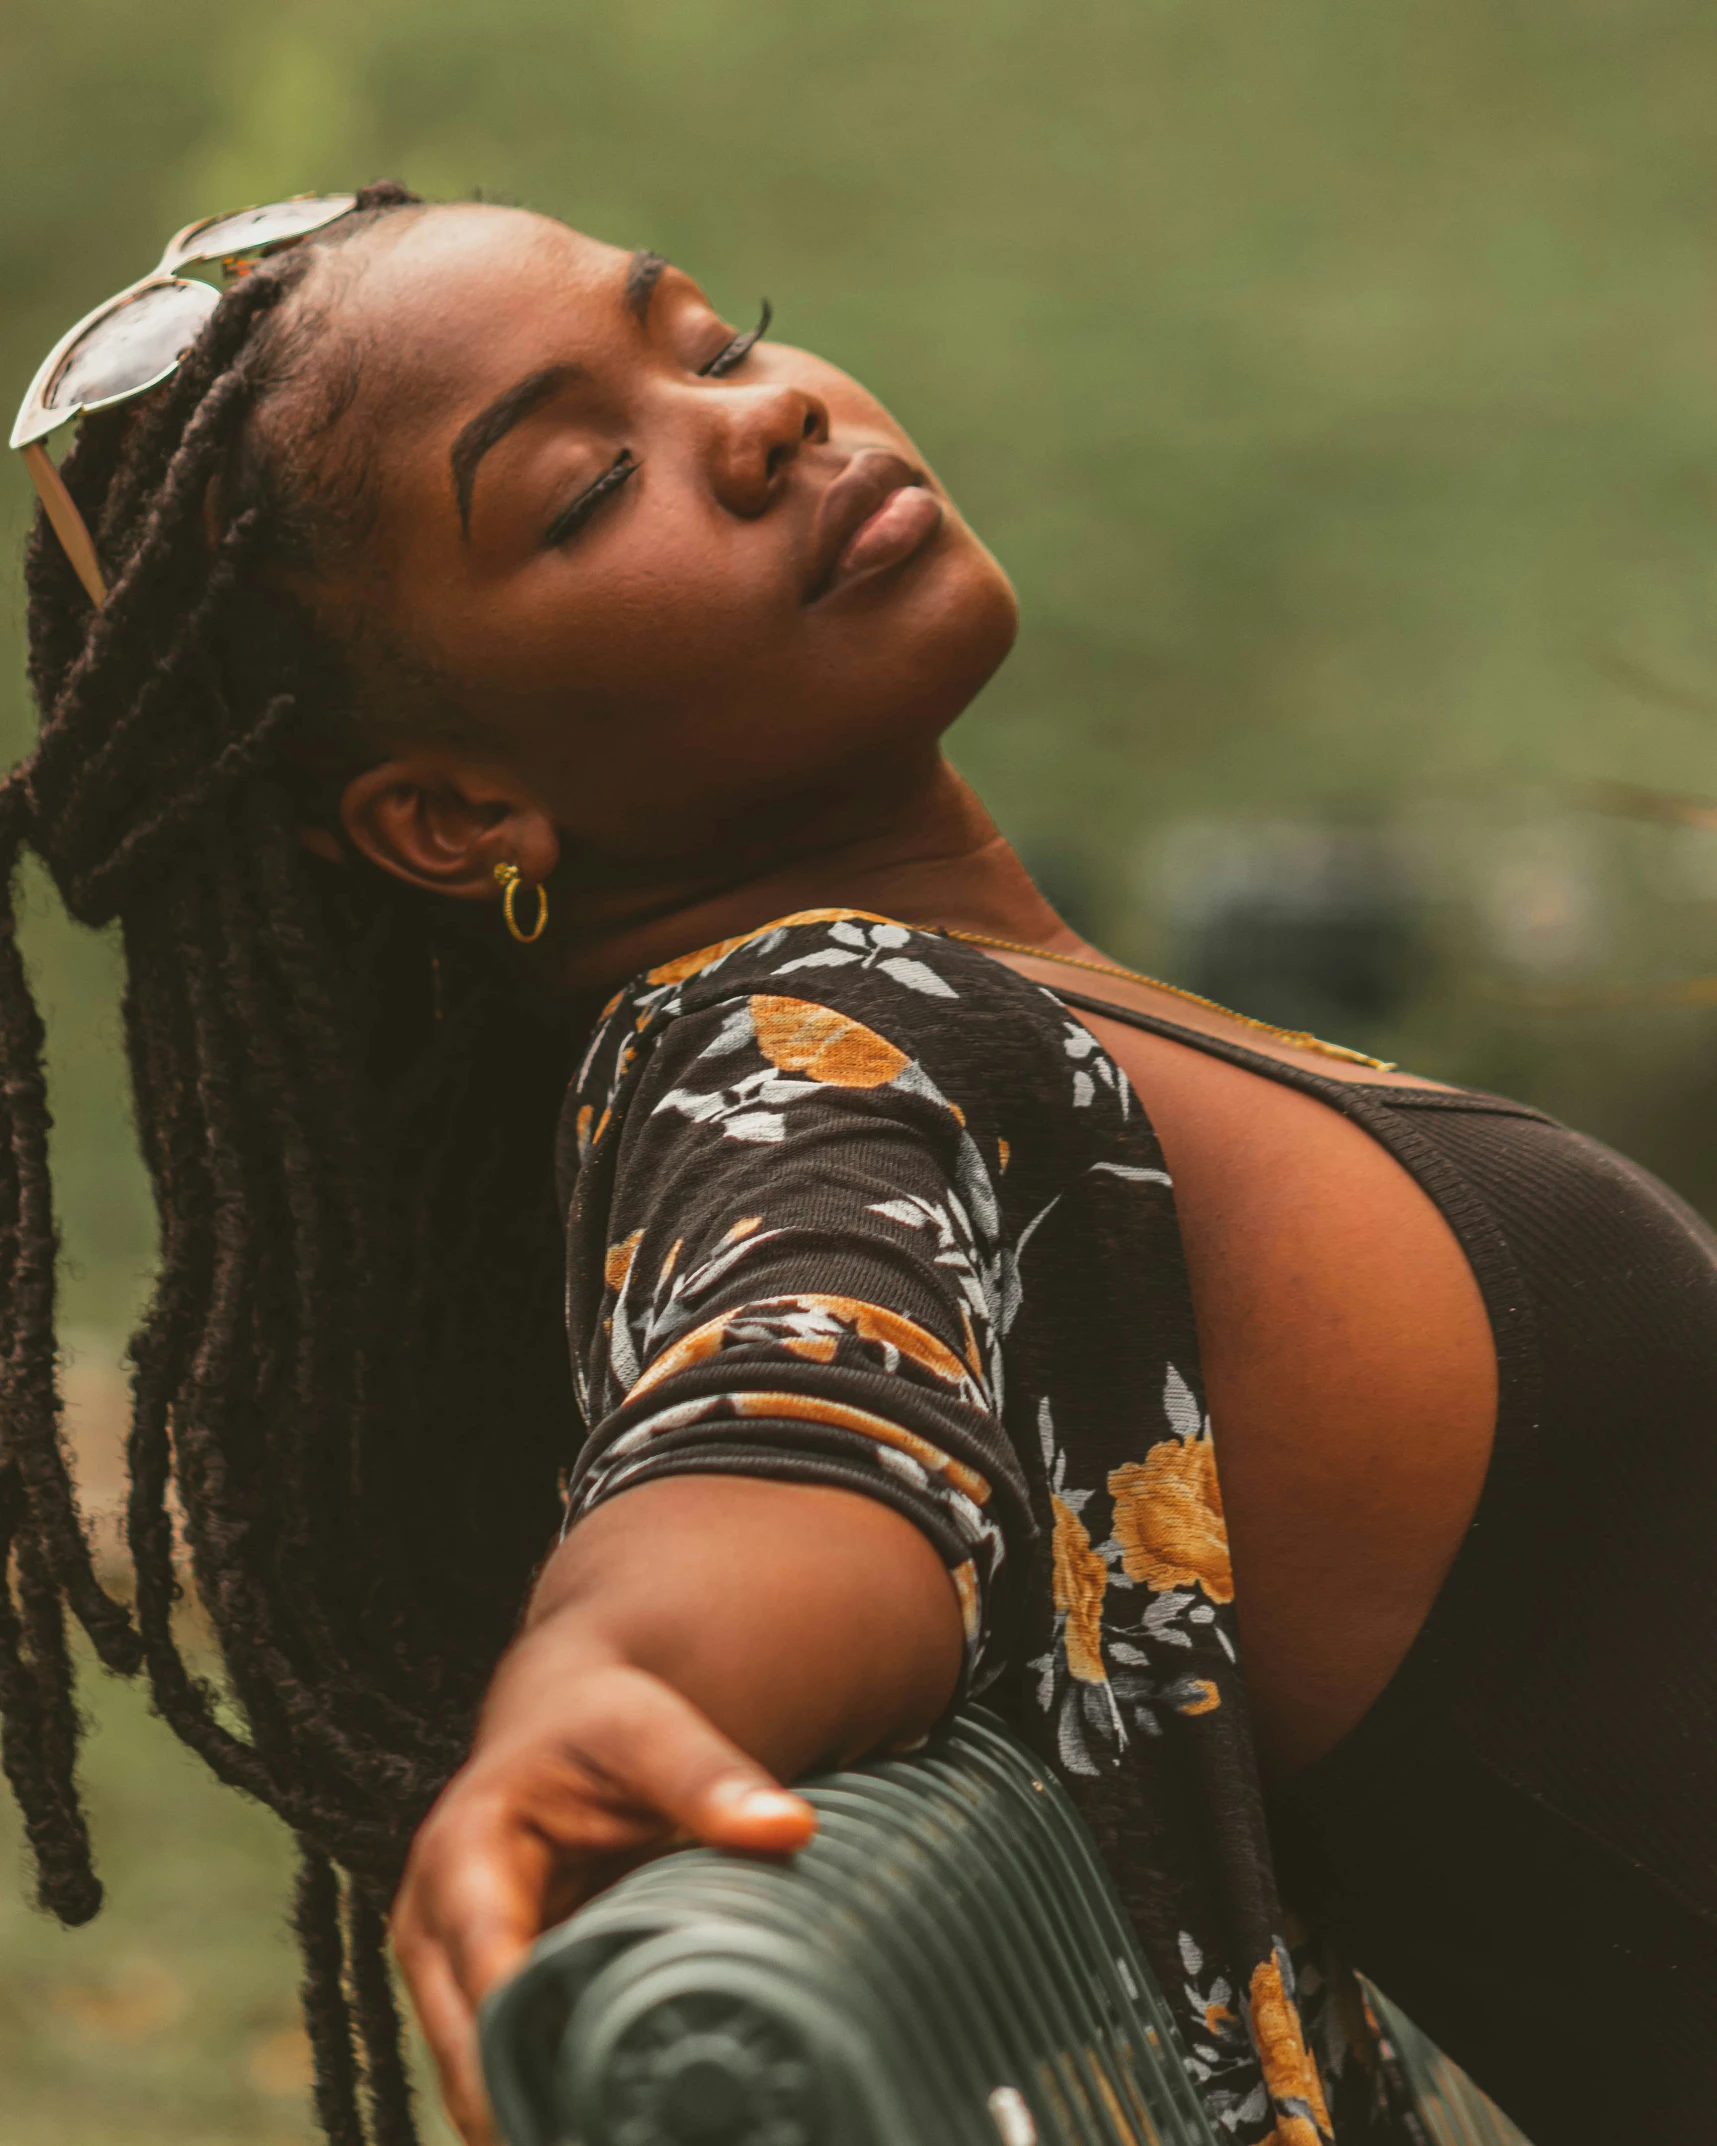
x,y
669,605
646,696
712,724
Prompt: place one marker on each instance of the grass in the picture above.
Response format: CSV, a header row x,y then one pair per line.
x,y
172,2019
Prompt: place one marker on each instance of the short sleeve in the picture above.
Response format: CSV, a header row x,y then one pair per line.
x,y
783,1263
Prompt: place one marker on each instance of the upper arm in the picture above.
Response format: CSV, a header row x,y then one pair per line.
x,y
776,1269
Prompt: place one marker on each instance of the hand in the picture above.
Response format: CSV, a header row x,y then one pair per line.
x,y
580,1773
680,1628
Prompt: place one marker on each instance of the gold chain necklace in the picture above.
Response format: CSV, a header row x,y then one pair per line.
x,y
1135,976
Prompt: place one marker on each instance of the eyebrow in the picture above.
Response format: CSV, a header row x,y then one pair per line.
x,y
642,276
491,425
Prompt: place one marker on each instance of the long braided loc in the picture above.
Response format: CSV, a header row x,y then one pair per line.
x,y
350,1376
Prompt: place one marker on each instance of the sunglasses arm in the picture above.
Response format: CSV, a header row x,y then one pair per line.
x,y
68,522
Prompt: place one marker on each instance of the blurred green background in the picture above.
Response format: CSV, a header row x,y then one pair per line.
x,y
1335,379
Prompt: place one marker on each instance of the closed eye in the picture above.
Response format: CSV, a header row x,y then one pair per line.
x,y
573,517
577,512
740,348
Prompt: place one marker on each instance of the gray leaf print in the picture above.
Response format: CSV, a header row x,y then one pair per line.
x,y
736,1031
1180,1407
830,957
1070,1741
756,1125
1134,1173
907,1212
917,977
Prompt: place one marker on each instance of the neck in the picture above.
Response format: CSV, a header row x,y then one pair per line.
x,y
927,854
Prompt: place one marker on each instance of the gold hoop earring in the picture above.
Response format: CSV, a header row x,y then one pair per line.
x,y
508,878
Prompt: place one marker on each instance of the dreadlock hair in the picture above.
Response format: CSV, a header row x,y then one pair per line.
x,y
349,1377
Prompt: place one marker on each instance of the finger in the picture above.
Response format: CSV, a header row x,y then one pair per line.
x,y
663,1754
498,1869
483,1898
450,2029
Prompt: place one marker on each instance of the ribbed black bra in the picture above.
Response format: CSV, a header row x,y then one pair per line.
x,y
1518,1843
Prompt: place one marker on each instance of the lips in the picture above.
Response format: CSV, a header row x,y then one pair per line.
x,y
875,514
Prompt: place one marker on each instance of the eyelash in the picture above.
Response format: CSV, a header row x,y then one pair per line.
x,y
740,348
573,518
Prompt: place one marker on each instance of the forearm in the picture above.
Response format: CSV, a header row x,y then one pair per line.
x,y
690,1639
807,1624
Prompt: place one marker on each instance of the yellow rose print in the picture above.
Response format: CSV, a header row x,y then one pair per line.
x,y
1168,1519
803,1038
618,1262
1081,1578
1289,2070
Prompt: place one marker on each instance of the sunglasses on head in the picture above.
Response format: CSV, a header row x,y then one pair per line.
x,y
138,339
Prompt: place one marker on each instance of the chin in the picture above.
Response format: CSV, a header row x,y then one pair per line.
x,y
964,631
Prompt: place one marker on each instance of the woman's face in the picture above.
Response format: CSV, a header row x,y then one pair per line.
x,y
678,581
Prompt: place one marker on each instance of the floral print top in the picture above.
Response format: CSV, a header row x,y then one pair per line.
x,y
851,1203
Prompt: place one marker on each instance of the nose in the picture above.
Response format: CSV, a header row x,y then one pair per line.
x,y
765,430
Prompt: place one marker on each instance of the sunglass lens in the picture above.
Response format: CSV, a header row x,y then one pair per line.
x,y
131,347
248,230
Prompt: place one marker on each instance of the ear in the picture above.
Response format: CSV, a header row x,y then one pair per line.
x,y
443,823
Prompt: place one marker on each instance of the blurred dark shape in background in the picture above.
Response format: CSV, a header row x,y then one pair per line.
x,y
1309,926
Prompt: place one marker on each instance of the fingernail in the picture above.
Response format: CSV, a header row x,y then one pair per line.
x,y
771,1803
745,1801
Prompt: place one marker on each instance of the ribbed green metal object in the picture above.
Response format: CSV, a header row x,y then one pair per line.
x,y
1450,2109
945,1965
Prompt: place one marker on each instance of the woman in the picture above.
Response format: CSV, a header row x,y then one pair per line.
x,y
508,676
